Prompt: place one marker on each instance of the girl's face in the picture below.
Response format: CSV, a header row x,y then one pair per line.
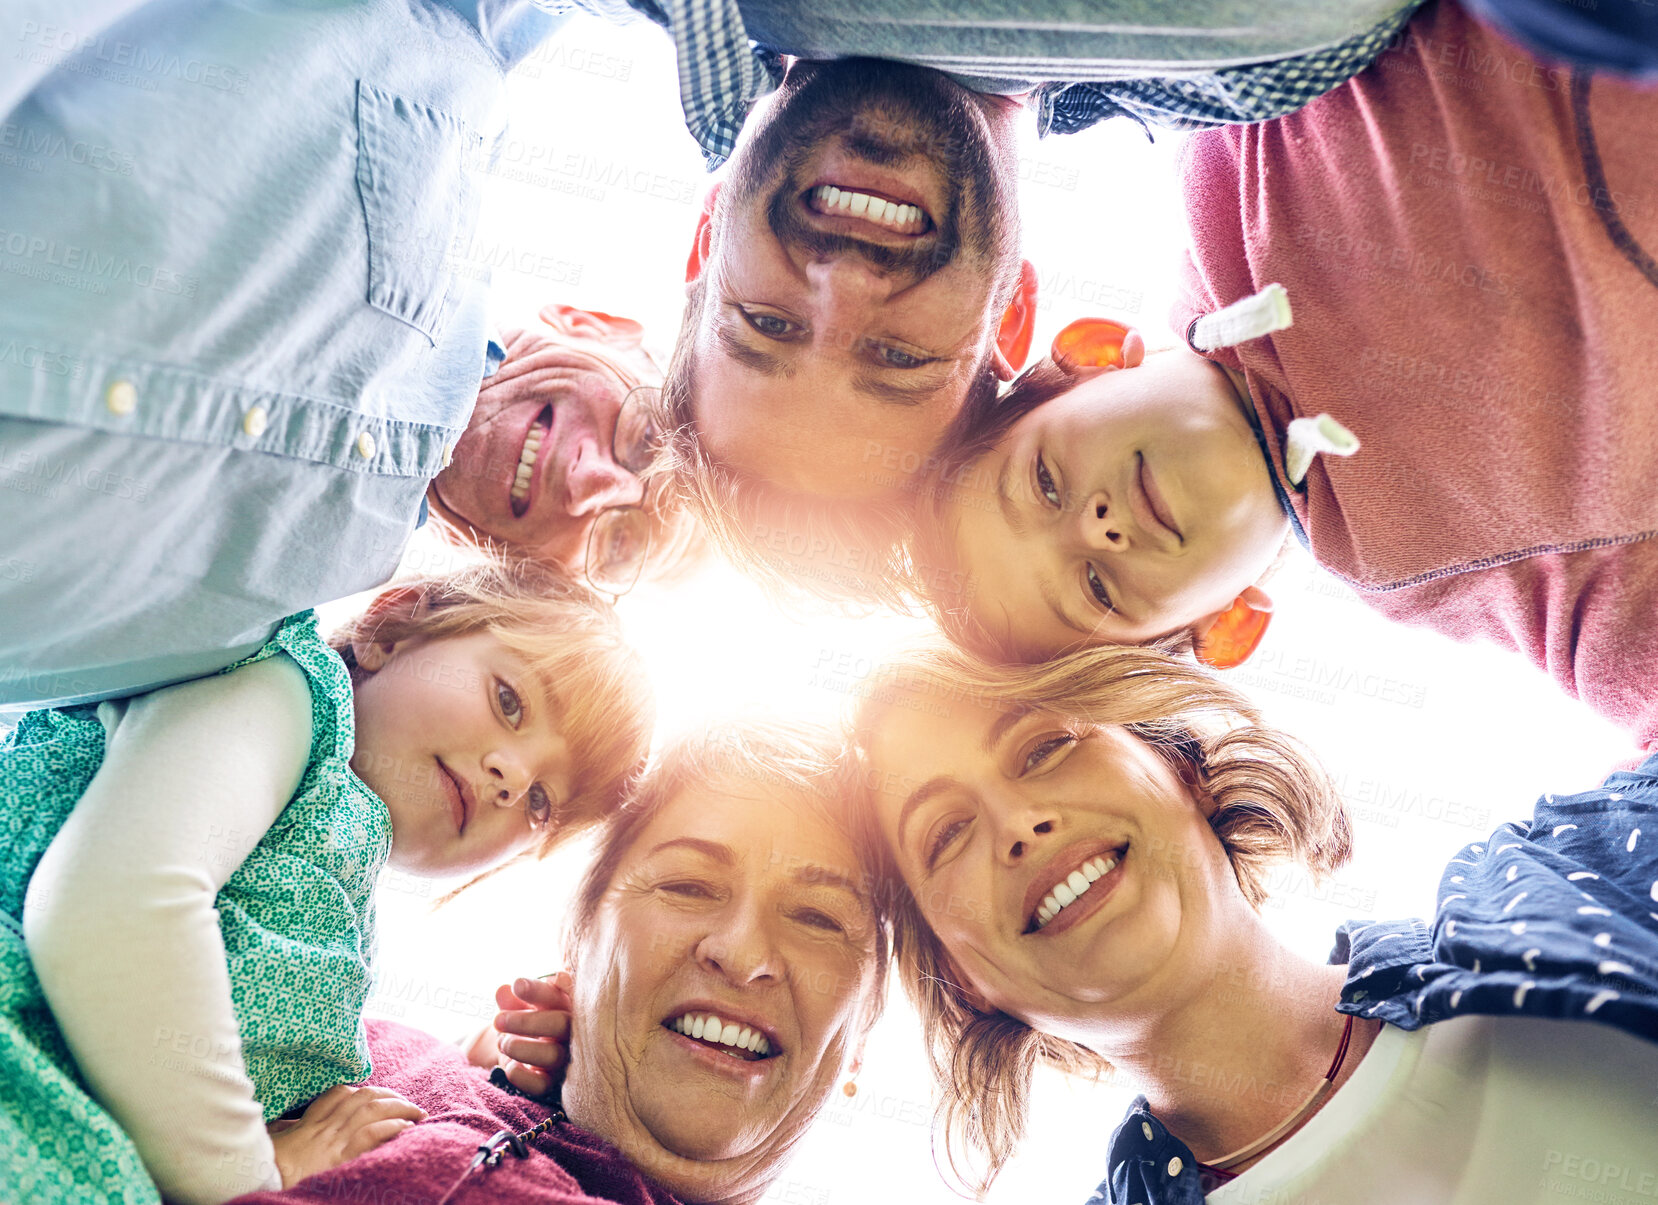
x,y
1135,505
460,739
1063,867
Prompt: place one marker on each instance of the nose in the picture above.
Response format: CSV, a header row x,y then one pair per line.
x,y
1021,826
595,482
509,776
845,290
738,945
1103,526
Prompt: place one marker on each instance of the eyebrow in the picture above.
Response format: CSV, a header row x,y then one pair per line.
x,y
813,875
708,849
940,783
762,362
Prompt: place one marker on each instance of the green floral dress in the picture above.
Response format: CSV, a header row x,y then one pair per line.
x,y
297,918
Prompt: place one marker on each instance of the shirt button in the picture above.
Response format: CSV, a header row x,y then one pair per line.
x,y
255,421
1175,1167
448,454
1145,1127
121,397
365,445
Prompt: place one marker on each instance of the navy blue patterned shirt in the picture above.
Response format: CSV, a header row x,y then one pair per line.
x,y
1556,918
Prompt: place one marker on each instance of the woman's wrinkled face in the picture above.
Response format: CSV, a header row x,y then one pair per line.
x,y
1062,866
735,902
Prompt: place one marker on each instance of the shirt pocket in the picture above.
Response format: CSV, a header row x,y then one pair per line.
x,y
412,163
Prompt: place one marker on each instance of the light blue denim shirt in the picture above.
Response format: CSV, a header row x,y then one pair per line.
x,y
238,329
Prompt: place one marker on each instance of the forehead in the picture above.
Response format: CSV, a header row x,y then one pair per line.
x,y
926,728
810,431
763,826
619,358
1002,571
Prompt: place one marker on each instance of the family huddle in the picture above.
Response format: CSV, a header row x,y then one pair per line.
x,y
1415,332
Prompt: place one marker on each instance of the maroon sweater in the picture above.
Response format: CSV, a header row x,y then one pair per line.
x,y
1469,254
567,1166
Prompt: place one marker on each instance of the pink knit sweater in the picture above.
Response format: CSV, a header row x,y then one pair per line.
x,y
1468,239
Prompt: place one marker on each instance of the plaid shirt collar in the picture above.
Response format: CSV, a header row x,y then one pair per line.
x,y
722,73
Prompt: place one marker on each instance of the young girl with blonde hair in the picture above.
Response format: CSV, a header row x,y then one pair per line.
x,y
187,886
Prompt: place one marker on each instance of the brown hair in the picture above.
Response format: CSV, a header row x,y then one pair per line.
x,y
796,545
1272,803
573,643
806,762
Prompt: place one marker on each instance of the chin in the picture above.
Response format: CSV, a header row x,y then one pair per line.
x,y
706,1131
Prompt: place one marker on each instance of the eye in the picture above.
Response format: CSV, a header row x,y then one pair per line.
x,y
894,357
1097,588
512,707
1045,483
820,920
688,889
538,806
942,840
1045,751
769,325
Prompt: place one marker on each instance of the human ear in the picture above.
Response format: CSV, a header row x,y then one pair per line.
x,y
1227,639
703,238
1097,343
593,324
1013,336
389,608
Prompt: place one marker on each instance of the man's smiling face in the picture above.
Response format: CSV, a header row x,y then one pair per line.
x,y
854,274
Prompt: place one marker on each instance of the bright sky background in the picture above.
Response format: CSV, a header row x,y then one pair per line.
x,y
1433,743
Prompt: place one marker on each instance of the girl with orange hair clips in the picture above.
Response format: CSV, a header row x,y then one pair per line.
x,y
1458,423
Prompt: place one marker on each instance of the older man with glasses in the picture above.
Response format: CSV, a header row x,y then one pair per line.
x,y
556,462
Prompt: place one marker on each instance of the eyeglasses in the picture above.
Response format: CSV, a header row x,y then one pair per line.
x,y
620,538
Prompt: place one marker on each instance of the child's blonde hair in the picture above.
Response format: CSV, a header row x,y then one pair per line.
x,y
573,643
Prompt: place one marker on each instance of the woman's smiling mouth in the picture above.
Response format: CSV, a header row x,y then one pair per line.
x,y
1076,894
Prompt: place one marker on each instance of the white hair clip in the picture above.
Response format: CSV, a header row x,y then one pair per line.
x,y
1305,438
1260,314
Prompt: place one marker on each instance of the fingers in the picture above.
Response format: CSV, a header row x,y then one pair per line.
x,y
526,1078
330,1102
537,1052
550,993
538,1024
505,997
374,1134
371,1100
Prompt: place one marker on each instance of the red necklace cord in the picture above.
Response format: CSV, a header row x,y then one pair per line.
x,y
1217,1169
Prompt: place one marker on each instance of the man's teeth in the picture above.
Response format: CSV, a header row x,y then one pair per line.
x,y
905,219
526,462
1074,886
706,1027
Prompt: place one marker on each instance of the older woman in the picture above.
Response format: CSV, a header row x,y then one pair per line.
x,y
729,887
1084,844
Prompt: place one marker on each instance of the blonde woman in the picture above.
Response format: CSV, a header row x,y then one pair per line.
x,y
1084,846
